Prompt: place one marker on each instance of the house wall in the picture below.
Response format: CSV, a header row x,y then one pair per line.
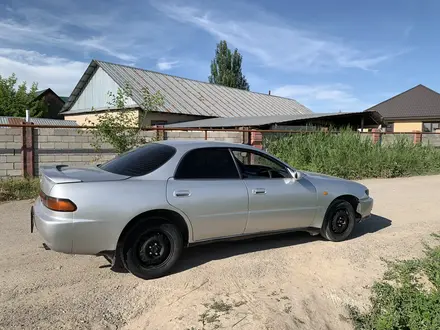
x,y
401,127
81,119
150,118
95,94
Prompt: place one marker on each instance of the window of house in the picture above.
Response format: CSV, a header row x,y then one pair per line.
x,y
390,128
207,163
431,127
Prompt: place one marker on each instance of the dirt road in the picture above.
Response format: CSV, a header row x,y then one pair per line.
x,y
292,281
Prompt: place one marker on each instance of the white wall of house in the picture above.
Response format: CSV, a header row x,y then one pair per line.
x,y
95,94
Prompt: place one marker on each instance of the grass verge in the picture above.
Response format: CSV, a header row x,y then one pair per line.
x,y
351,155
407,298
18,189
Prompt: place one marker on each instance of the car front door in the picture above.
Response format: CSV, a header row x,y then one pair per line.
x,y
276,200
207,187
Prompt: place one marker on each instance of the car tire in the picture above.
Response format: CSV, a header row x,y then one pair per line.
x,y
339,221
151,248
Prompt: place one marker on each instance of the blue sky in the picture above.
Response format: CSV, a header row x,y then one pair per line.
x,y
338,55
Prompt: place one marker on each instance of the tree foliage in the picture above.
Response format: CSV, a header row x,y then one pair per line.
x,y
15,100
226,68
122,128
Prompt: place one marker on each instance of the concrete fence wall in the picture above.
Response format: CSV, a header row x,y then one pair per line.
x,y
71,146
23,151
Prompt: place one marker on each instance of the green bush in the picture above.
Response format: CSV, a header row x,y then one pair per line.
x,y
18,189
351,155
407,298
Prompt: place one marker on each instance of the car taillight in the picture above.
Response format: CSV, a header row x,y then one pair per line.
x,y
57,204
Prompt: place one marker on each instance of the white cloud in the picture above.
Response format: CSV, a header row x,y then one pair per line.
x,y
164,65
323,98
37,31
57,73
276,44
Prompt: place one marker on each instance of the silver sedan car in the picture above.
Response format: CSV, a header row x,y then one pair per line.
x,y
140,209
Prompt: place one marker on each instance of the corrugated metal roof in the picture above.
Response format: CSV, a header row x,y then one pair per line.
x,y
264,120
38,121
417,102
191,97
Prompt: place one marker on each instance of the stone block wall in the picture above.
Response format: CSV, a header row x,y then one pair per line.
x,y
73,147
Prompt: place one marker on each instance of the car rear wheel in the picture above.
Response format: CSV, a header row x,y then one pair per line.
x,y
339,221
151,248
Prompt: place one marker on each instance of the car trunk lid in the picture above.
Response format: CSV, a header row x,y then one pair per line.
x,y
62,174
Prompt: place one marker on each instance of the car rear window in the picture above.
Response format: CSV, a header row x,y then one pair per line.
x,y
140,161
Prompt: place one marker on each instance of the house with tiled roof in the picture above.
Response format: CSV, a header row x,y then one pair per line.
x,y
417,109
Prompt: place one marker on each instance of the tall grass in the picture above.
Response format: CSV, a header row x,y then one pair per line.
x,y
351,155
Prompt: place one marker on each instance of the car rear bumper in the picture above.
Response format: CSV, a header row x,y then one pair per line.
x,y
54,228
62,233
365,207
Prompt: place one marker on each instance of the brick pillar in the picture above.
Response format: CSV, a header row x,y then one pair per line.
x,y
27,151
257,140
417,137
377,135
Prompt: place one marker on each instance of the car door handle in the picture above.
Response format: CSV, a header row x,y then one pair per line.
x,y
182,193
259,191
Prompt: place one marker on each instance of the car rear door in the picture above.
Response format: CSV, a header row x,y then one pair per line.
x,y
208,189
276,200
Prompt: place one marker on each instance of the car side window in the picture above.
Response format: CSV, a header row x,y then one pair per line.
x,y
257,166
207,163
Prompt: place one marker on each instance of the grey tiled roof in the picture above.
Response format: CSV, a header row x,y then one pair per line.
x,y
417,102
186,96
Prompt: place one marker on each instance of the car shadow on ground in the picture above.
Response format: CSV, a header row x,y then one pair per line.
x,y
198,255
201,254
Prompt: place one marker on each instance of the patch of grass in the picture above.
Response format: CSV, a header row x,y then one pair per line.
x,y
408,296
351,155
220,306
19,189
287,309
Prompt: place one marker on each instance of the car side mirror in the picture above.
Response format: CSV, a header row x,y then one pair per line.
x,y
296,175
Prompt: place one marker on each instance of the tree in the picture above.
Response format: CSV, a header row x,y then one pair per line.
x,y
226,68
122,128
15,100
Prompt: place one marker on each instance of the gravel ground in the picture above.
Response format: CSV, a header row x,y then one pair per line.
x,y
292,281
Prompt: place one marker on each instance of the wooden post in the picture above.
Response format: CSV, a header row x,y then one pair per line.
x,y
27,151
206,134
160,134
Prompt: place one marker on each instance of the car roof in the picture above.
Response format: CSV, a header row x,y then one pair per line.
x,y
193,144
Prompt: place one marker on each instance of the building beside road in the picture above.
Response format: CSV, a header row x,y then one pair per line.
x,y
185,99
417,109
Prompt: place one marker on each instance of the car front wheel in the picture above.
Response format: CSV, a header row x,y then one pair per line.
x,y
339,221
151,248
